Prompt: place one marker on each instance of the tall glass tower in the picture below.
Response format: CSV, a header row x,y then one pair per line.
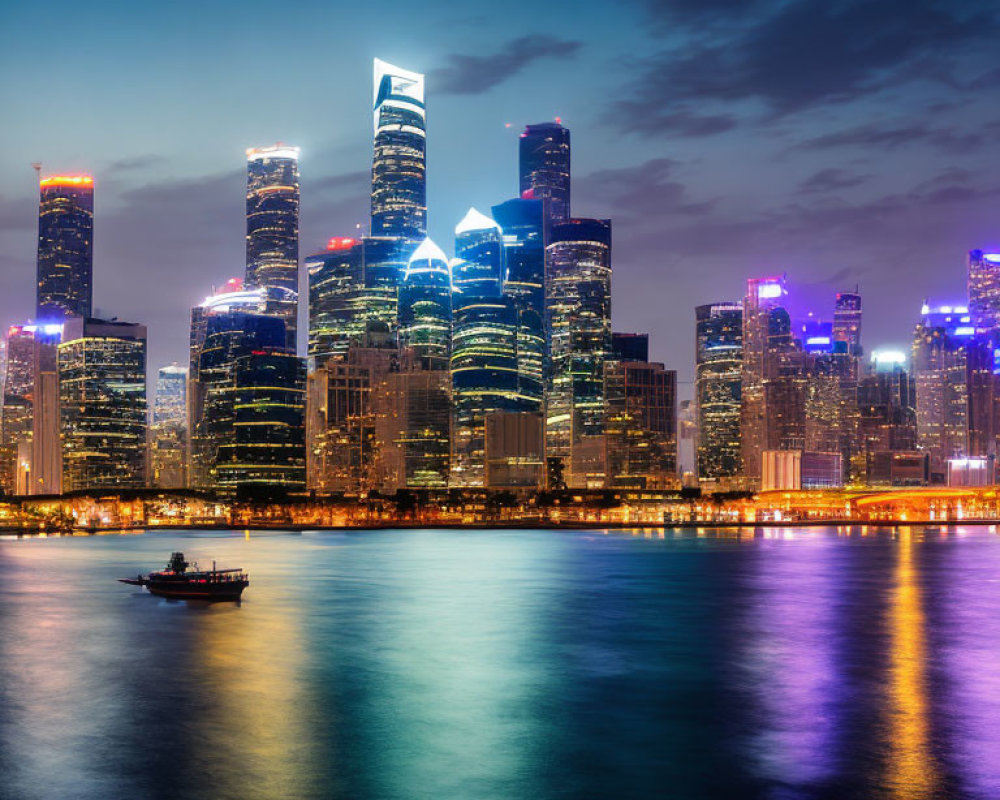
x,y
65,247
484,372
578,322
545,168
847,320
718,362
273,225
399,188
523,227
425,307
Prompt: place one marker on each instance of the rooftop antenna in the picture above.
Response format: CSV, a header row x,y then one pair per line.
x,y
37,167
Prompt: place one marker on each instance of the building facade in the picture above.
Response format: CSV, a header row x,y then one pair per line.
x,y
578,327
544,168
65,248
272,220
102,394
718,365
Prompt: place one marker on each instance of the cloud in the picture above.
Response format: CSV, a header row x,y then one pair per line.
x,y
830,179
135,163
633,194
870,135
801,55
475,74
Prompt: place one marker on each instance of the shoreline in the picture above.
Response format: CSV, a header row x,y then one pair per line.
x,y
499,525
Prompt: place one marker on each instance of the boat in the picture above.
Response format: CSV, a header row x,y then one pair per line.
x,y
177,582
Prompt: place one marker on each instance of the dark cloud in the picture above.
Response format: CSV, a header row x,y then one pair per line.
x,y
681,122
474,74
807,54
869,135
830,179
632,194
135,164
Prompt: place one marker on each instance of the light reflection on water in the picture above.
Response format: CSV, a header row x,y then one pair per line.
x,y
775,663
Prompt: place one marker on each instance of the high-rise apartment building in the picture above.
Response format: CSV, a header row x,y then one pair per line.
x,y
544,168
272,237
65,248
718,365
578,325
102,393
399,189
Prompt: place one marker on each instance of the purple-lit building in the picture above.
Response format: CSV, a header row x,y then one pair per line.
x,y
984,289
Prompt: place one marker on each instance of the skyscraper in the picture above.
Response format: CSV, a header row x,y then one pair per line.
x,y
484,371
718,363
336,310
425,307
230,333
545,168
273,225
266,452
399,190
984,289
847,320
578,324
102,392
523,231
766,336
168,429
18,394
940,373
65,247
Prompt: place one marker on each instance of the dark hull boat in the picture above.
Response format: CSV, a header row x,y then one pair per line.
x,y
177,582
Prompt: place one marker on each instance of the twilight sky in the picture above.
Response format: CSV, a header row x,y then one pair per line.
x,y
841,141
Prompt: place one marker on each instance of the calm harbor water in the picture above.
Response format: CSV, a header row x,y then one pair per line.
x,y
773,663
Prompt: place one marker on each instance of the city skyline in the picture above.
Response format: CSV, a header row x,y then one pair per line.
x,y
830,213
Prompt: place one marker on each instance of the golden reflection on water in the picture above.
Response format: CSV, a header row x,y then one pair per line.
x,y
912,771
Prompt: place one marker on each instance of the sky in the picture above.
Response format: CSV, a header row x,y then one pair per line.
x,y
841,142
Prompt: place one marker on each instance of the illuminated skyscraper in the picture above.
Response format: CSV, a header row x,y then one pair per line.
x,y
984,289
425,307
766,336
578,324
65,247
484,344
545,168
847,320
229,334
168,429
718,364
399,189
523,230
273,225
940,370
18,392
102,392
266,453
887,423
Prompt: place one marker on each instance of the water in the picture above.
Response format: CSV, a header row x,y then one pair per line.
x,y
528,664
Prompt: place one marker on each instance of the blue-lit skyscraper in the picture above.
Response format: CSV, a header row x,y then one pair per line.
x,y
578,310
484,344
272,237
523,228
425,307
65,248
399,189
544,168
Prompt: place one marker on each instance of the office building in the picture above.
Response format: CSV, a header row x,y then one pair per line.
x,y
984,289
523,230
544,168
102,394
272,237
168,429
718,364
578,324
425,307
847,321
515,450
399,190
65,248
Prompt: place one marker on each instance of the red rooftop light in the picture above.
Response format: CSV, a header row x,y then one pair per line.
x,y
340,243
